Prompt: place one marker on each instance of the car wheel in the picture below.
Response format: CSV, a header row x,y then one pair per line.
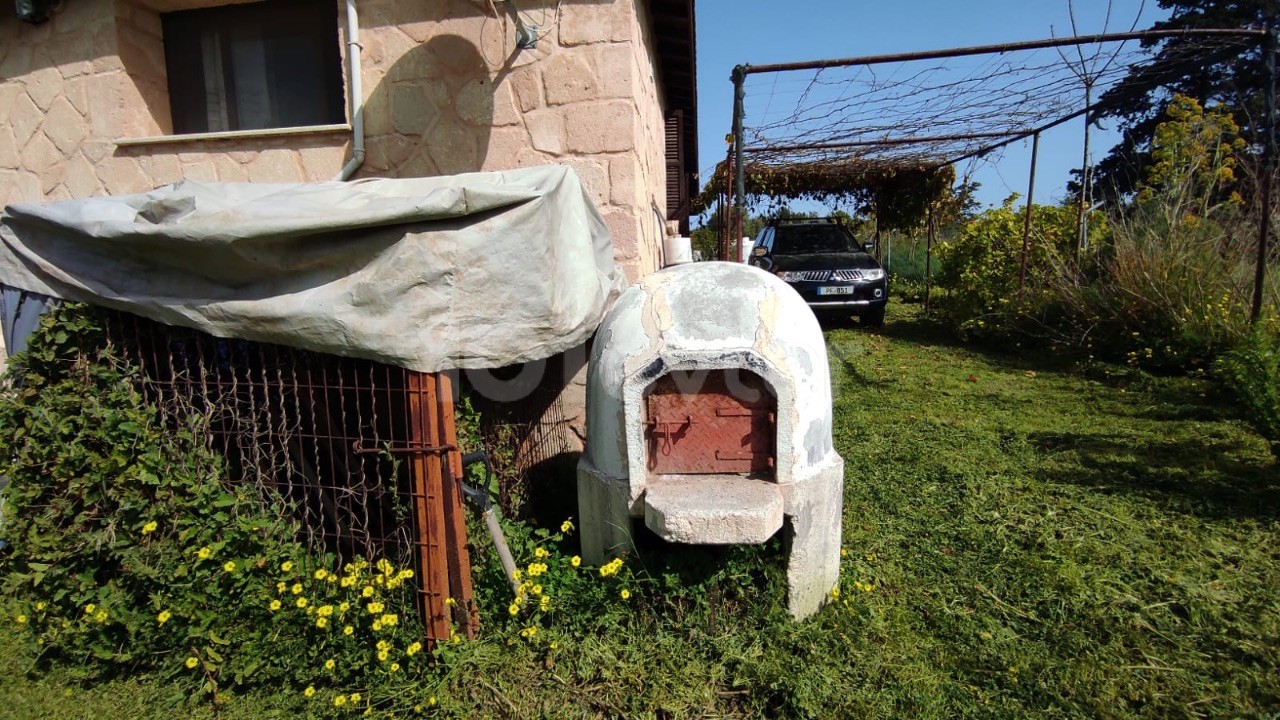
x,y
874,317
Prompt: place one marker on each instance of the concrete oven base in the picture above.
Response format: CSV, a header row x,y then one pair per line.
x,y
725,510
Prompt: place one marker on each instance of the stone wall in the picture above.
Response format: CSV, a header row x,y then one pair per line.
x,y
84,108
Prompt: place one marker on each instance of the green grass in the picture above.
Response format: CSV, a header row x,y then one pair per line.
x,y
1038,540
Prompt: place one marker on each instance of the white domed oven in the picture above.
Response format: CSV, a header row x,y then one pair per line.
x,y
709,416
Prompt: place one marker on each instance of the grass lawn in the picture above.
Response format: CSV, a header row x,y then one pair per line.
x,y
1023,539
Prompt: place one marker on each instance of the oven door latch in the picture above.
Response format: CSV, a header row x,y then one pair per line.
x,y
669,431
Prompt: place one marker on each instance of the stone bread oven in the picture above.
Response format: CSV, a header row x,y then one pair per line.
x,y
709,415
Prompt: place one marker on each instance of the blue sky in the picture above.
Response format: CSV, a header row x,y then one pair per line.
x,y
759,31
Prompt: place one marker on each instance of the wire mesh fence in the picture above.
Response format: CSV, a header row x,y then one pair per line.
x,y
363,454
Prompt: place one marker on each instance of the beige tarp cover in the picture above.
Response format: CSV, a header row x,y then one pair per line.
x,y
470,271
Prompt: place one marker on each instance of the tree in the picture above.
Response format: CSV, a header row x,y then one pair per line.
x,y
1222,72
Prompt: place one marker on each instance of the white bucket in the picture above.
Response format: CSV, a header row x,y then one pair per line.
x,y
678,250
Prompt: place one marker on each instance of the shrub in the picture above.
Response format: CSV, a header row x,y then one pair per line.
x,y
982,265
1252,373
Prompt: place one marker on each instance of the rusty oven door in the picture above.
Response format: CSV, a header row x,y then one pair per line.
x,y
702,422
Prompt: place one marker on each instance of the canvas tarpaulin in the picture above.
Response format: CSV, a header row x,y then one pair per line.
x,y
480,270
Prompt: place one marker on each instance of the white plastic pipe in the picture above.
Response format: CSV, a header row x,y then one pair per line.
x,y
356,101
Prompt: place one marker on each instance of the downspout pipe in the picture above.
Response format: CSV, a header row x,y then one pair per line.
x,y
355,102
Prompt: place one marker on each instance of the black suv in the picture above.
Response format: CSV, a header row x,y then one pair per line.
x,y
825,264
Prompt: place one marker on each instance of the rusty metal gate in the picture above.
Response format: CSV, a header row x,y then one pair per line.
x,y
707,422
366,453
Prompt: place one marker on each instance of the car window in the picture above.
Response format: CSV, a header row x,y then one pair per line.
x,y
805,239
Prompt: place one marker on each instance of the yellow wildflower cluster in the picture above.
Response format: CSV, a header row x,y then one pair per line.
x,y
536,569
611,568
149,528
864,587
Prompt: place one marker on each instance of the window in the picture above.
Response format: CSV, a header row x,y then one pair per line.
x,y
261,65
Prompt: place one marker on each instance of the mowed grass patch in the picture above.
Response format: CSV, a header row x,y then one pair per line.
x,y
1023,538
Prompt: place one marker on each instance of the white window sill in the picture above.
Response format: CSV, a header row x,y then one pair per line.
x,y
233,135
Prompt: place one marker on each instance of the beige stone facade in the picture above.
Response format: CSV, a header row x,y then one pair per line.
x,y
84,106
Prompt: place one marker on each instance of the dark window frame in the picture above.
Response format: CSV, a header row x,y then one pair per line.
x,y
313,22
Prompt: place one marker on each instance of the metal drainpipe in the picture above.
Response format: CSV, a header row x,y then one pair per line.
x,y
356,103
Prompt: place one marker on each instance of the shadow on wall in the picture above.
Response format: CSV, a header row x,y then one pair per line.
x,y
432,113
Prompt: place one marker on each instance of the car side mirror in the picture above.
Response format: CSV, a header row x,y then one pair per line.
x,y
869,248
762,262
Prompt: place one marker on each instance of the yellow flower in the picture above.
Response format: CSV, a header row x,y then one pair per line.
x,y
296,589
322,623
517,574
302,602
21,619
529,631
625,594
274,606
88,609
40,606
330,664
536,590
286,566
340,700
204,553
229,566
389,620
513,609
320,574
280,586
383,655
367,591
374,608
311,690
540,553
431,700
405,574
575,561
377,625
149,528
343,606
100,616
383,645
324,610
355,698
163,617
449,602
384,566
413,649
566,526
192,662
544,603
347,581
395,667
835,593
348,630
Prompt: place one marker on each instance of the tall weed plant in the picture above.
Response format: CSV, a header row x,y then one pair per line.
x,y
1174,288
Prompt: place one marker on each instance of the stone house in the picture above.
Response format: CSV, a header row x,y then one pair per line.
x,y
120,96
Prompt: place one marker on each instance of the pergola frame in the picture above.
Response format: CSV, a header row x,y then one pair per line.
x,y
979,144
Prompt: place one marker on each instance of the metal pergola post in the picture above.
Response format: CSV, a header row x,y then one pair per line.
x,y
1026,221
740,176
1268,174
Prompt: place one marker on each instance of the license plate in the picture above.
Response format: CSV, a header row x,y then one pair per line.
x,y
839,290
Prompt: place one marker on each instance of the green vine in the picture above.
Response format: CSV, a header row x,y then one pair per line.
x,y
898,193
